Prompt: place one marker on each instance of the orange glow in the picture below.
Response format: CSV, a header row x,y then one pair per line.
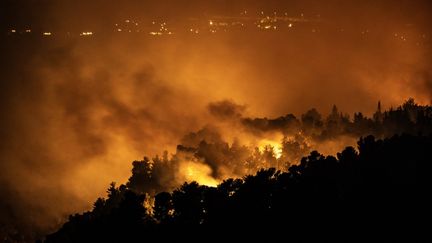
x,y
275,146
86,33
80,109
196,171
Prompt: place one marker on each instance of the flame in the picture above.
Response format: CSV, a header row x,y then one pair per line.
x,y
199,172
275,146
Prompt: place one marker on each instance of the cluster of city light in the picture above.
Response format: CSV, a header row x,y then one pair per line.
x,y
218,24
261,20
86,33
127,26
14,31
400,36
214,26
273,23
194,31
163,29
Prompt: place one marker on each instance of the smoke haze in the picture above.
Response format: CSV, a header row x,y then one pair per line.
x,y
76,112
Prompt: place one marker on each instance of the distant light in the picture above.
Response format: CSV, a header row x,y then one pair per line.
x,y
196,31
211,22
13,31
47,33
119,30
290,25
86,33
127,20
155,33
28,30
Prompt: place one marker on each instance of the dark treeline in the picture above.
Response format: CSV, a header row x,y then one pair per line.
x,y
409,118
208,147
379,190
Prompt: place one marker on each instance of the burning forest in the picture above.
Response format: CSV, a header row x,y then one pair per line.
x,y
209,115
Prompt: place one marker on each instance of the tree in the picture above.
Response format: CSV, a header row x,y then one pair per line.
x,y
163,208
188,204
142,180
312,121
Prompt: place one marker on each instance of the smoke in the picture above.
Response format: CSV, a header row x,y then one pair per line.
x,y
226,109
75,111
195,171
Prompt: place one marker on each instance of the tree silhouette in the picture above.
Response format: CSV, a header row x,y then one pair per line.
x,y
384,183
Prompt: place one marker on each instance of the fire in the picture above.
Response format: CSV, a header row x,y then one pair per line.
x,y
199,172
275,146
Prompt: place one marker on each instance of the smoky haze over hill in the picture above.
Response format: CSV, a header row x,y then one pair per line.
x,y
76,111
331,196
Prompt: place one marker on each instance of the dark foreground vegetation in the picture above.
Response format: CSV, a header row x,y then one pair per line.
x,y
376,193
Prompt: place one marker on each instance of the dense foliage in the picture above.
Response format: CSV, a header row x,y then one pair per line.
x,y
369,192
